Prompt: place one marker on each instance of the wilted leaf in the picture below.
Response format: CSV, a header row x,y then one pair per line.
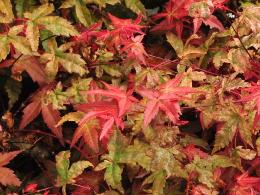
x,y
13,89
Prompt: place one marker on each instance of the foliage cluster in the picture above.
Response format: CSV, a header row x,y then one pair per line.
x,y
130,97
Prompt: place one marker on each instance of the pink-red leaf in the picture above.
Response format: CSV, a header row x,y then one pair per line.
x,y
152,108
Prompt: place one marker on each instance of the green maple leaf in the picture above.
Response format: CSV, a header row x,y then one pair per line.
x,y
40,17
111,161
66,173
113,176
21,6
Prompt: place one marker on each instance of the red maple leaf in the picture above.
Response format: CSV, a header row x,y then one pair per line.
x,y
107,114
88,33
246,184
166,98
124,98
135,49
50,116
30,64
126,28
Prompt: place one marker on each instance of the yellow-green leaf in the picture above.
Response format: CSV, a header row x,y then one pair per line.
x,y
52,66
83,13
73,63
72,116
113,71
246,154
62,167
33,35
113,176
67,4
57,25
21,44
4,45
6,12
76,169
67,173
40,12
136,6
175,42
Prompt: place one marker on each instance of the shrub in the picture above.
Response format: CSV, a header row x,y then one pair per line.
x,y
110,97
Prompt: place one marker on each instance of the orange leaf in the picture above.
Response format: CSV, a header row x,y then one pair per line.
x,y
51,117
7,177
88,131
30,112
32,66
5,158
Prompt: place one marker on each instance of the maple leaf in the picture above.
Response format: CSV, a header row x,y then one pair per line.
x,y
123,98
166,98
205,167
89,130
39,17
135,49
88,33
6,11
7,176
66,173
125,27
50,116
173,13
82,12
12,38
158,178
246,184
105,111
72,63
113,173
32,66
232,119
136,6
202,12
